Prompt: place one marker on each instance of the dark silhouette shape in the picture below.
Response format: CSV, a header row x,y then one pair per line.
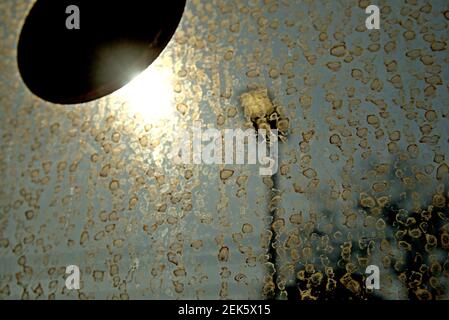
x,y
116,41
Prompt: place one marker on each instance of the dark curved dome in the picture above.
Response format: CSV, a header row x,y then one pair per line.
x,y
116,40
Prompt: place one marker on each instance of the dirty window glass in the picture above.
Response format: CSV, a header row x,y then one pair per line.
x,y
360,187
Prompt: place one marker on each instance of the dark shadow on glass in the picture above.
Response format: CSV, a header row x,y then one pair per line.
x,y
115,41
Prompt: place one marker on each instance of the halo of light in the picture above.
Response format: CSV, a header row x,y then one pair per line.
x,y
150,94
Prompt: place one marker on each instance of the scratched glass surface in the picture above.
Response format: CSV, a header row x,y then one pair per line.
x,y
363,177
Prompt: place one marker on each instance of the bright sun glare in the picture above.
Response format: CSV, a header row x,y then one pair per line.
x,y
150,94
